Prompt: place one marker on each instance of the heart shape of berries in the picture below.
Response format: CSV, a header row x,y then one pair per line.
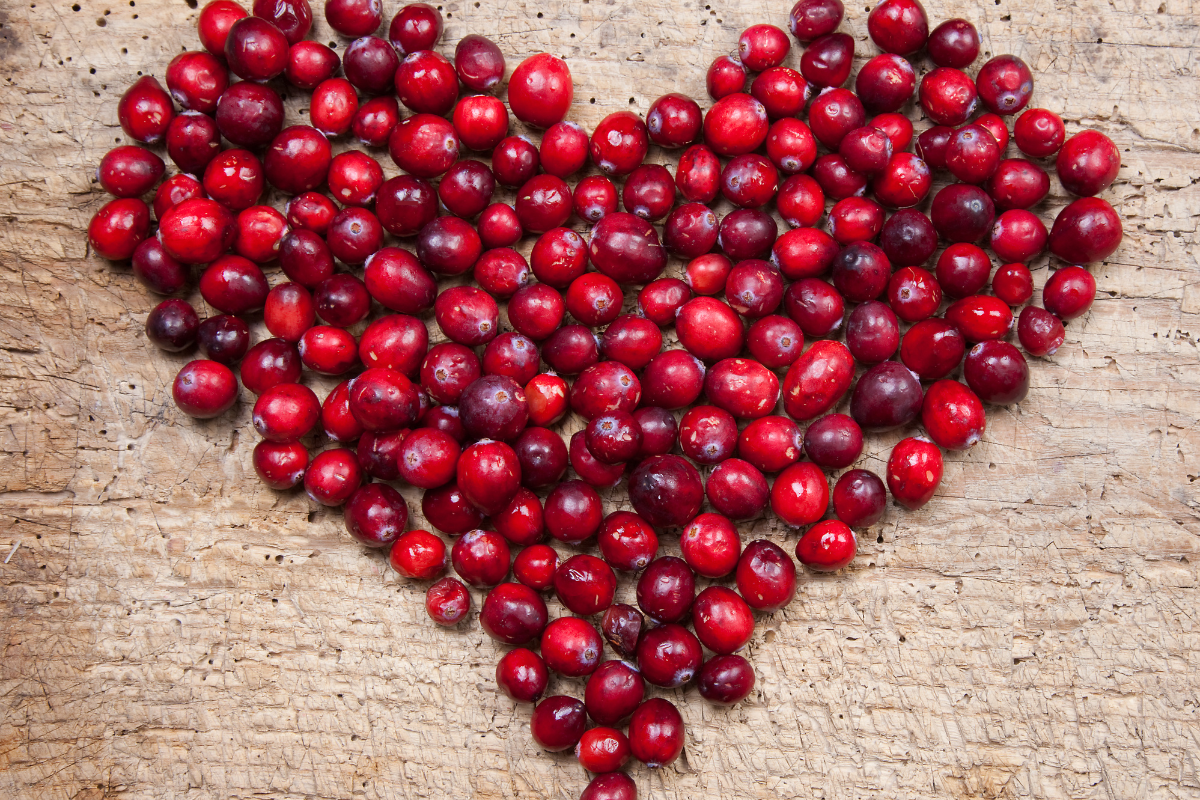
x,y
474,422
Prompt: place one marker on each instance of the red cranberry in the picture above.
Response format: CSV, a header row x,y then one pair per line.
x,y
963,269
725,680
932,144
310,64
723,620
604,387
427,83
214,23
339,424
908,238
815,306
543,203
710,545
904,182
952,415
996,126
585,584
855,219
660,300
914,472
175,190
292,17
120,226
656,733
770,443
834,114
156,270
631,340
948,96
467,188
513,614
590,470
481,558
447,602
424,145
668,655
898,26
804,252
887,396
834,441
374,121
289,311
573,513
467,315
914,294
1005,84
511,355
305,258
260,230
536,311
932,348
861,272
396,279
1086,231
613,692
379,453
707,274
234,285
828,60
674,119
354,18
478,61
726,75
697,176
1088,163
376,515
859,498
997,373
311,211
962,213
498,226
626,248
559,257
800,494
649,192
1018,235
627,541
594,197
173,325
1013,284
235,179
428,458
280,466
709,329
540,90
782,91
256,50
370,65
535,566
981,318
354,178
885,83
707,434
354,235
738,490
270,362
602,750
818,380
564,149
521,675
735,125
196,80
810,19
1017,183
791,146
866,150
571,647
827,546
145,111
542,456
1041,333
594,299
571,349
614,438
416,26
762,47
666,490
766,576
514,161
835,177
659,430
558,723
691,230
448,511
1040,133
1069,293
204,389
973,154
749,181
619,143
742,387
622,627
896,127
383,399
673,379
775,341
333,477
954,43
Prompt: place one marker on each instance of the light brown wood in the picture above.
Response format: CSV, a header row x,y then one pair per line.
x,y
171,629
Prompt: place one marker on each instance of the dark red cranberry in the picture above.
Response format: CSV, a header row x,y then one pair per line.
x,y
145,110
535,566
656,733
697,176
834,114
885,83
542,456
119,227
333,476
800,494
859,498
204,389
374,121
866,150
494,407
571,647
1086,231
354,18
337,421
660,300
376,515
591,471
622,627
834,441
292,17
573,513
754,289
447,602
791,146
861,272
513,614
466,188
424,145
963,269
804,252
908,238
810,19
585,584
615,689
342,300
627,541
828,60
226,338
649,192
735,125
666,588
668,655
726,75
215,20
129,171
370,64
558,722
1088,163
280,466
766,576
479,62
775,341
954,43
514,161
543,203
354,235
932,348
932,144
1069,293
673,379
234,285
749,181
782,91
948,96
379,453
1040,133
1041,333
416,26
564,149
997,373
158,271
173,325
448,510
725,680
887,396
962,213
571,349
626,248
914,294
835,177
450,246
427,83
305,258
540,90
666,490
522,675
481,558
256,50
815,306
737,489
674,119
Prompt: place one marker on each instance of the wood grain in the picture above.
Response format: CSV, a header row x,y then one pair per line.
x,y
173,630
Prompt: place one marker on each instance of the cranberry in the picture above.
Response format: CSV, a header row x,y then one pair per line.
x,y
427,83
805,252
898,26
310,64
446,418
725,680
196,80
726,75
914,294
172,325
536,311
305,258
954,43
571,349
354,178
904,182
952,415
973,154
948,96
447,602
775,341
396,279
280,466
145,111
828,60
855,219
175,190
660,300
707,434
818,380
770,443
521,674
626,248
834,114
914,472
481,558
791,146
594,299
424,145
810,19
896,127
448,510
559,257
602,750
627,541
374,121
697,176
710,543
761,47
1005,84
666,490
543,203
866,150
631,340
615,690
311,211
494,407
963,269
834,441
668,655
256,50
610,786
859,498
478,61
513,613
235,179
292,17
234,285
908,238
339,424
816,306
1069,293
932,348
932,144
885,83
289,311
673,379
370,65
1041,333
467,315
416,26
1018,235
535,566
754,288
590,470
735,125
260,230
997,373
542,456
835,177
204,389
564,149
571,647
1087,163
962,213
800,494
742,387
649,192
498,226
594,197
766,576
214,23
619,143
354,18
861,272
981,318
120,226
585,584
996,126
738,490
656,733
749,181
376,515
707,274
379,453
156,270
428,458
614,438
333,477
782,91
1086,231
573,513
622,627
1040,133
827,546
383,399
1017,183
354,235
709,329
540,90
270,362
514,161
466,188
558,723
887,396
674,119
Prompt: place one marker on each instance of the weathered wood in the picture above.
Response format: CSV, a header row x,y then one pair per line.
x,y
172,629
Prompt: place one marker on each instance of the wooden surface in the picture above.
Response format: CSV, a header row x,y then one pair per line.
x,y
170,629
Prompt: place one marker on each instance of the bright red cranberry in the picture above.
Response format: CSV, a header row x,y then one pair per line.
x,y
590,470
697,176
828,60
594,299
834,114
614,438
396,279
514,161
311,211
383,399
450,246
428,458
673,379
743,387
512,355
540,90
120,226
602,750
804,252
196,80
604,387
374,121
564,149
885,83
416,26
859,498
158,271
981,318
818,380
289,311
333,476
709,329
619,143
1017,183
1088,163
573,513
536,311
904,182
1069,293
1040,133
407,205
498,226
834,441
898,26
914,294
571,349
996,126
594,197
724,622
376,515
204,389
954,43
292,17
627,541
270,362
649,192
952,415
748,181
855,219
310,64
280,466
521,674
558,723
585,584
616,689
810,19
571,647
735,125
559,257
962,213
948,96
354,18
660,300
235,179
1041,333
656,733
1005,84
173,325
707,274
726,75
175,190
827,546
707,434
513,614
542,456
1018,235
770,443
782,91
1086,231
339,424
666,490
481,558
427,83
626,248
896,127
887,396
866,150
761,47
478,61
973,154
256,50
234,285
448,511
710,544
800,494
466,188
354,235
447,602
354,178
775,341
914,472
260,230
631,340
815,306
535,566
674,119
791,147
543,203
766,576
214,23
622,627
932,348
424,145
835,177
145,111
668,655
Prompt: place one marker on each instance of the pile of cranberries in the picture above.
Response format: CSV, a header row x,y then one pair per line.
x,y
472,420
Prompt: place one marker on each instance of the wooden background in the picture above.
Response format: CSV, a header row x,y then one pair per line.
x,y
170,629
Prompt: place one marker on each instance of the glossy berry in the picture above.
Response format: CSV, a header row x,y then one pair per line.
x,y
145,110
376,515
602,750
948,96
535,566
898,26
1086,231
1039,133
354,18
725,680
558,723
522,675
827,546
827,61
761,47
416,26
766,576
972,154
817,380
513,614
121,225
1013,283
333,476
310,64
914,471
256,50
622,627
674,120
447,602
280,466
726,75
564,149
1087,163
1005,84
286,412
481,558
540,90
710,544
129,171
172,325
932,348
214,22
571,647
834,441
479,62
859,498
885,83
954,43
668,655
627,541
610,786
585,584
735,125
887,396
800,494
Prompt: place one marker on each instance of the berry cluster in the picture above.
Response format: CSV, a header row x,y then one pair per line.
x,y
472,421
